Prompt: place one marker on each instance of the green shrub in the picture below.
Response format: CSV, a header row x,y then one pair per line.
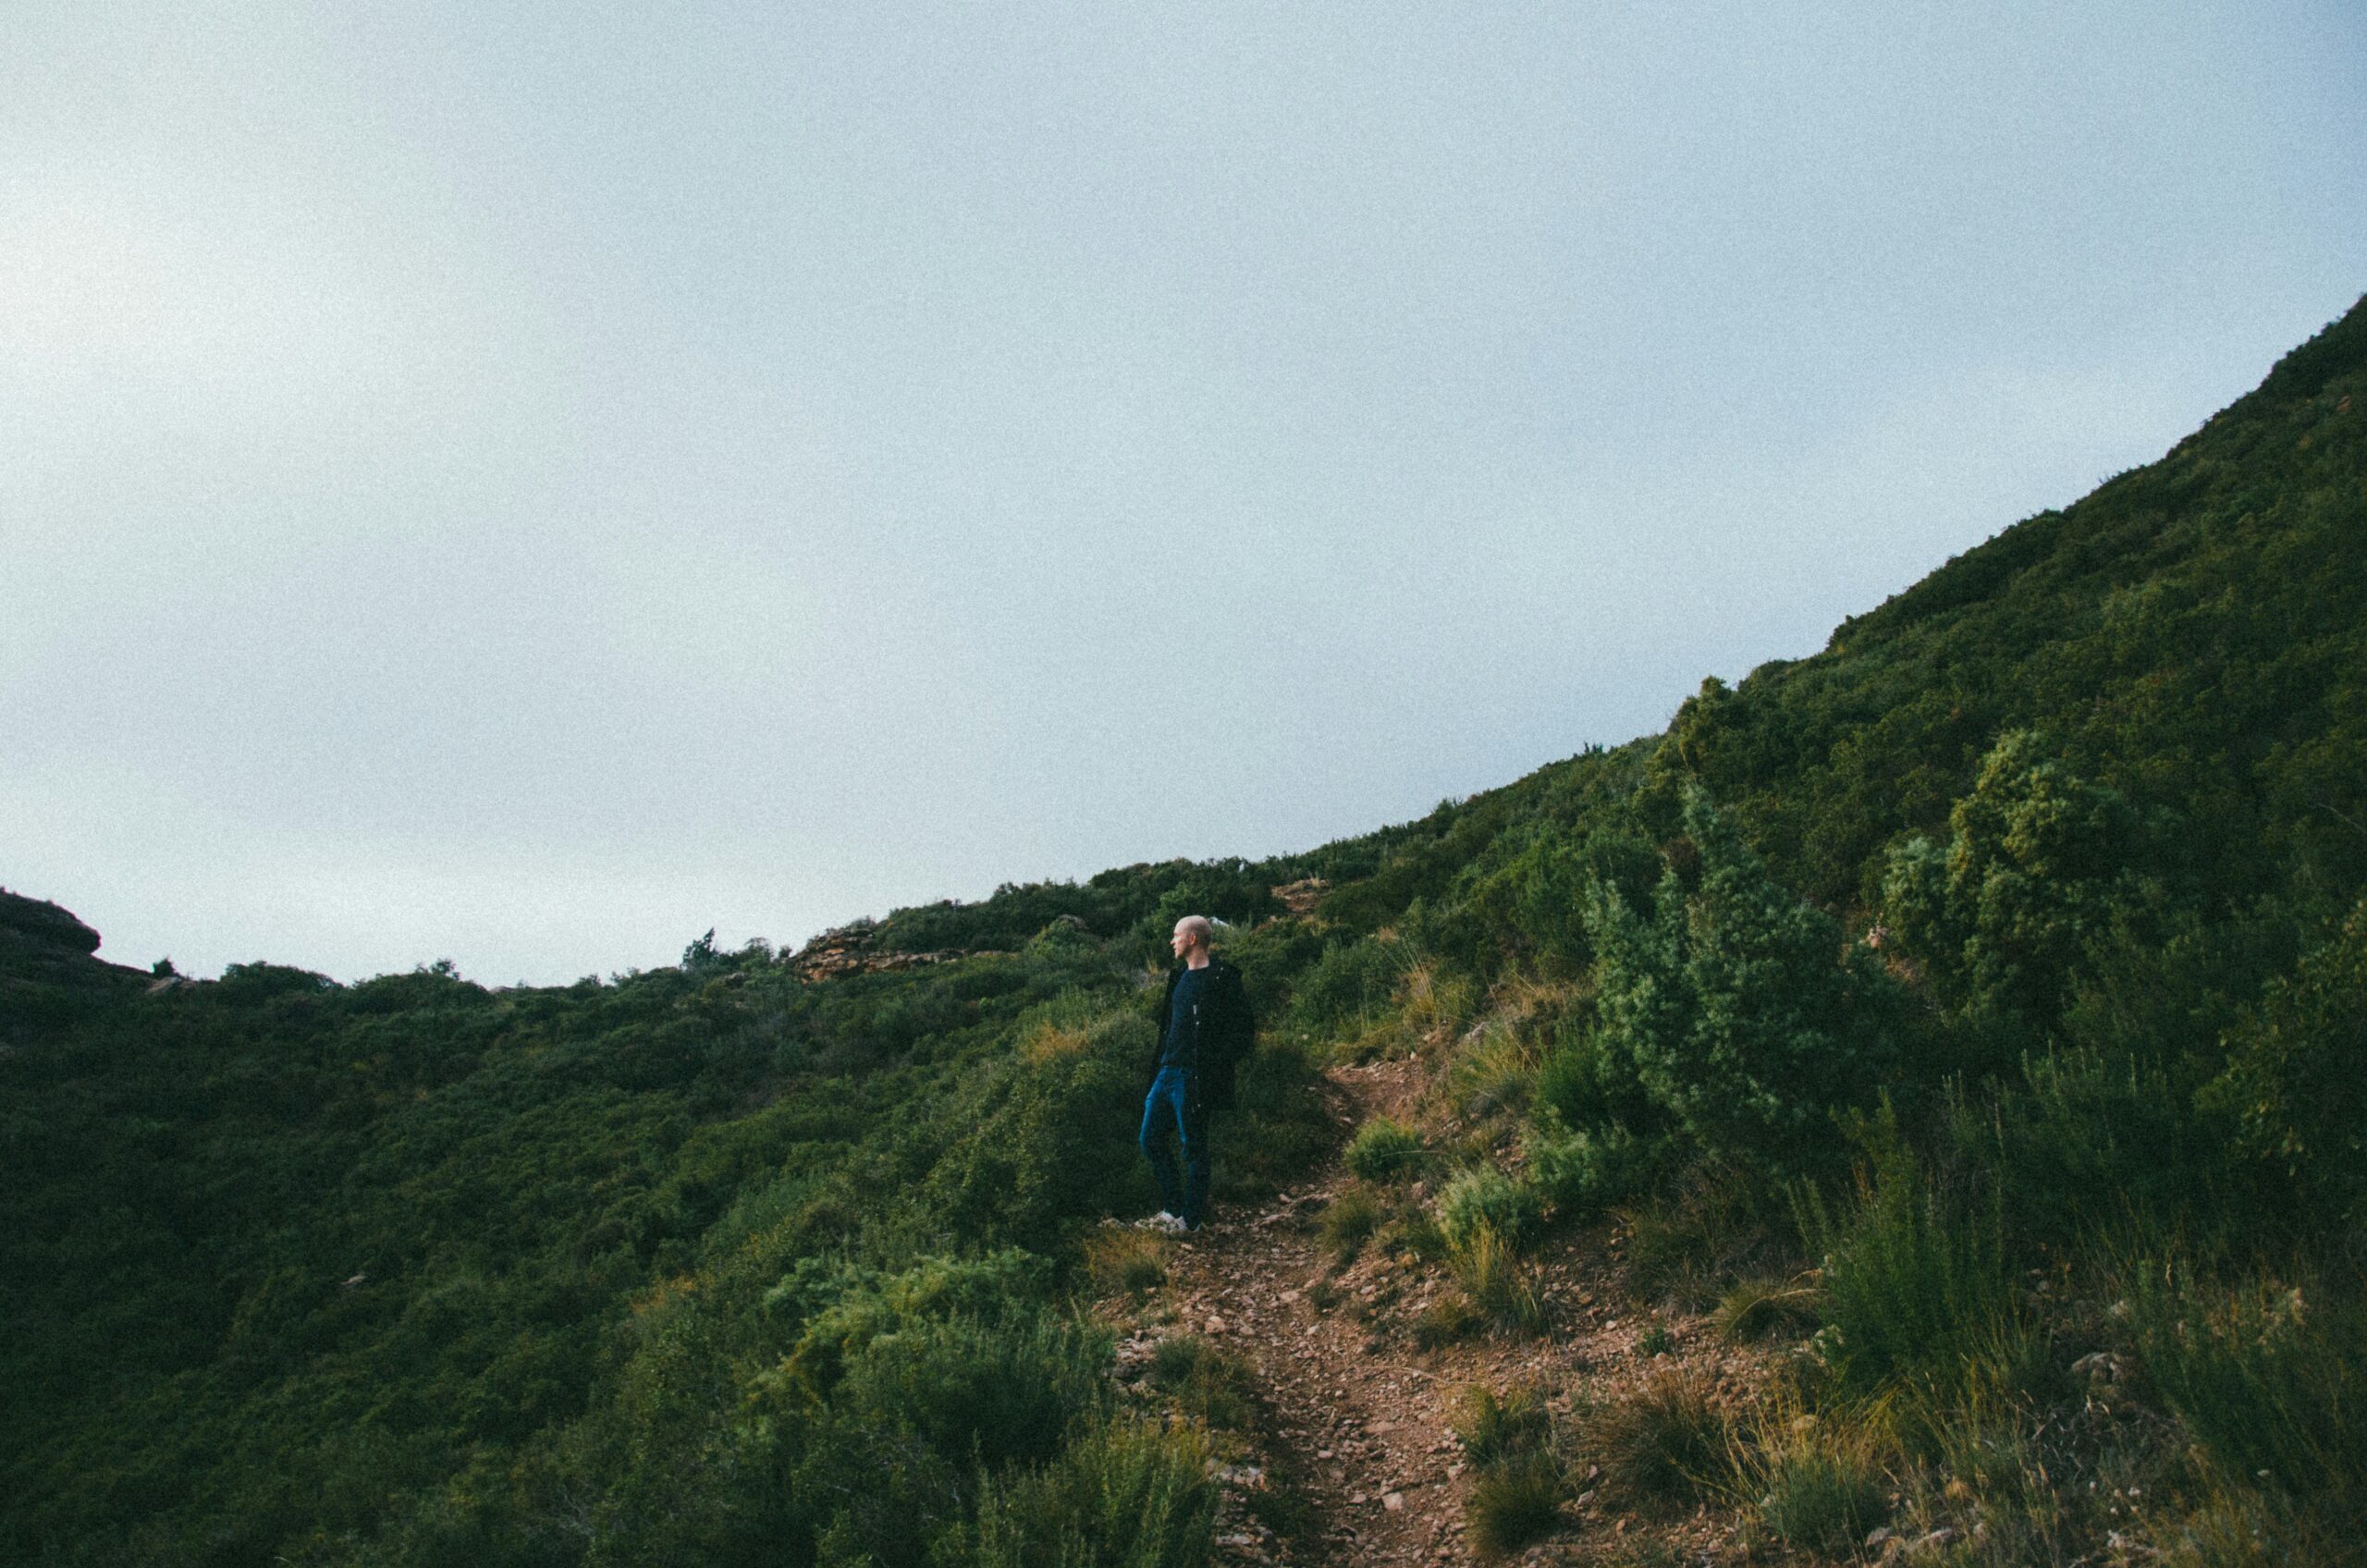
x,y
1049,1137
1351,984
2036,866
1913,1290
1737,1006
1484,1197
1581,1170
1126,1494
1385,1150
2099,1143
2270,1377
2295,1082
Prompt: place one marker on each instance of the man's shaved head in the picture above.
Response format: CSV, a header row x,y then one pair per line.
x,y
1196,929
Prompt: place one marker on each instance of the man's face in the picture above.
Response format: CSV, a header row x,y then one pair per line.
x,y
1181,941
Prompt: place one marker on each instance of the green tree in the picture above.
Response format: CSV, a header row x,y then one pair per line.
x,y
1739,1007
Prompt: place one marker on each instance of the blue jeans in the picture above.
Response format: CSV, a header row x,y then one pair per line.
x,y
1173,1104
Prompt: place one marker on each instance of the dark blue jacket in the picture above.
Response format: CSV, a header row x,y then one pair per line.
x,y
1227,1032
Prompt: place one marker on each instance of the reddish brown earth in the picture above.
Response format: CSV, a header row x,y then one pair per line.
x,y
1355,1421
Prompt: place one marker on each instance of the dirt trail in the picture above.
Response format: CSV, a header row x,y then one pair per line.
x,y
1361,1428
1357,1418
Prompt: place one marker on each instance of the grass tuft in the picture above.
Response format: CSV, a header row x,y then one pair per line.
x,y
1493,1428
1385,1150
1818,1482
1123,1261
1447,1320
1762,1308
1517,1495
1348,1221
1666,1445
1515,1504
1203,1381
1486,1267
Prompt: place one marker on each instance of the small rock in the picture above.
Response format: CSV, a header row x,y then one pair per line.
x,y
1395,1501
1216,1326
1880,1536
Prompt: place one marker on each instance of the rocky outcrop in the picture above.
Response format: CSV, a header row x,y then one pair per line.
x,y
851,950
48,959
1302,896
34,924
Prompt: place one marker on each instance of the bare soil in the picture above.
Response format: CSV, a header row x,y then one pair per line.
x,y
1353,1460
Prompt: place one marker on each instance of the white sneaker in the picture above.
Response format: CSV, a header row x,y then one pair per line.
x,y
1163,1222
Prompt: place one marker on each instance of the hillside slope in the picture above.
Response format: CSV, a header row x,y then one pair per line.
x,y
1961,1027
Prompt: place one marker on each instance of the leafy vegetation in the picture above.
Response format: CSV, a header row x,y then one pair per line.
x,y
1992,979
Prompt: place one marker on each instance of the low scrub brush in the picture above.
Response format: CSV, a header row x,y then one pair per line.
x,y
1123,1261
1666,1445
1348,1222
1385,1150
1762,1308
1488,1268
1818,1482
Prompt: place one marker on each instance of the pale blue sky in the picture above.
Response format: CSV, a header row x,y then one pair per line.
x,y
526,487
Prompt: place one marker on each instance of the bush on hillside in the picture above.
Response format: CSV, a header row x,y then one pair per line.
x,y
2036,866
2296,1080
1736,1007
1385,1149
1484,1197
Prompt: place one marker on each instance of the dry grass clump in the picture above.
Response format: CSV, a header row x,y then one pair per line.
x,y
1203,1381
1819,1483
1487,1267
1348,1222
1764,1306
1123,1261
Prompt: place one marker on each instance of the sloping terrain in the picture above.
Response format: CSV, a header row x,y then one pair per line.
x,y
1910,1110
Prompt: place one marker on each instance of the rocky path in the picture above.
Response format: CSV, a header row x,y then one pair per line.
x,y
1355,1417
1359,1430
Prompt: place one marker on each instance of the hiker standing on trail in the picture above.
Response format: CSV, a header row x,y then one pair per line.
x,y
1205,1030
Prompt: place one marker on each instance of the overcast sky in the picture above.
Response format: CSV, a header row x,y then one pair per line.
x,y
526,485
